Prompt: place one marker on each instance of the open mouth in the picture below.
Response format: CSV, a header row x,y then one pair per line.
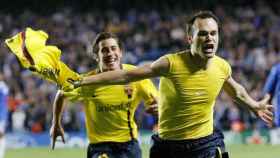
x,y
110,60
208,48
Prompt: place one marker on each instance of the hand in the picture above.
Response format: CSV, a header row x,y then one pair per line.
x,y
153,108
265,111
75,83
55,131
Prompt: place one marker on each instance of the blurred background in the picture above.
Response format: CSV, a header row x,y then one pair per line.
x,y
149,29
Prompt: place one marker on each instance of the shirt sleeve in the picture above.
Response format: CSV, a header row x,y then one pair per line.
x,y
271,82
228,69
170,59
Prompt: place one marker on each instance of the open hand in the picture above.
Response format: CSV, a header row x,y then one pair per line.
x,y
265,111
55,131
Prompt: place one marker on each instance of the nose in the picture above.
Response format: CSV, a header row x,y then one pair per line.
x,y
208,37
110,52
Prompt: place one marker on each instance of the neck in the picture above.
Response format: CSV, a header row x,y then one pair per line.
x,y
101,69
200,61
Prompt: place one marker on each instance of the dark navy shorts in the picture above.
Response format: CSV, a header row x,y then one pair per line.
x,y
206,147
130,149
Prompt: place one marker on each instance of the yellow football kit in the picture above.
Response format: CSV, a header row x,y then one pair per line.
x,y
110,109
187,97
31,50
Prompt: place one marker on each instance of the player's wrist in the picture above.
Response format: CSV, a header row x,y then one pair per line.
x,y
75,83
78,83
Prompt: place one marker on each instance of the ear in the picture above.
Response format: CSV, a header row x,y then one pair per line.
x,y
95,57
121,52
189,39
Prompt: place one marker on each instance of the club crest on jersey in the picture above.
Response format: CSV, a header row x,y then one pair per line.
x,y
128,90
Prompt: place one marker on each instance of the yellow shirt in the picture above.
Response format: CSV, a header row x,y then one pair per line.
x,y
187,97
110,109
31,50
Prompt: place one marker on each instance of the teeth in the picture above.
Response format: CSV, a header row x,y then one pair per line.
x,y
110,60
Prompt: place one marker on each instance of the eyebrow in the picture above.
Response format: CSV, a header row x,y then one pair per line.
x,y
108,47
206,32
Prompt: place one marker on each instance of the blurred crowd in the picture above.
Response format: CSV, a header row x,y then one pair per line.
x,y
249,41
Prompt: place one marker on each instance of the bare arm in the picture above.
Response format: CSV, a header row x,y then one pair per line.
x,y
239,94
56,128
267,95
157,68
58,107
261,108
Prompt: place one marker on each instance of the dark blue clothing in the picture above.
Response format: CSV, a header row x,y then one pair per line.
x,y
130,149
205,147
3,101
272,87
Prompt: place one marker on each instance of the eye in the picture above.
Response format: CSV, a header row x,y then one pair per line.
x,y
114,48
202,33
105,50
213,33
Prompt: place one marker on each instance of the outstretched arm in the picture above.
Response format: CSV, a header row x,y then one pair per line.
x,y
261,108
157,68
56,127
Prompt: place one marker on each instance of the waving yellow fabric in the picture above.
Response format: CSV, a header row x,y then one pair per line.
x,y
31,50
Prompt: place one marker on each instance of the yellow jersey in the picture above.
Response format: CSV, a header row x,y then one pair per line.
x,y
110,109
31,50
187,97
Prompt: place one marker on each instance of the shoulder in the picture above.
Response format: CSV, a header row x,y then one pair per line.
x,y
221,61
177,54
275,70
223,65
176,58
277,66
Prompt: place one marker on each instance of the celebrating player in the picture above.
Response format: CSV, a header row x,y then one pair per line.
x,y
190,83
109,110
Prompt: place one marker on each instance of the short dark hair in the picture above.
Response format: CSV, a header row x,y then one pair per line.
x,y
202,15
103,36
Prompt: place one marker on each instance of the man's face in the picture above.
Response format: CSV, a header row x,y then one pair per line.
x,y
205,37
109,55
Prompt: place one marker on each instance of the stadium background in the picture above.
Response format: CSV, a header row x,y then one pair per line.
x,y
249,41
